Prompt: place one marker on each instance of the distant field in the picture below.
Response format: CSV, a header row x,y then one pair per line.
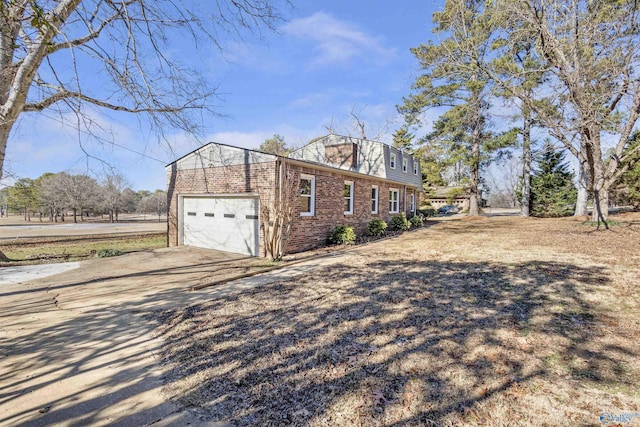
x,y
73,248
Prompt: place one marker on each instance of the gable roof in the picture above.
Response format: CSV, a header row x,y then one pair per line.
x,y
217,154
369,157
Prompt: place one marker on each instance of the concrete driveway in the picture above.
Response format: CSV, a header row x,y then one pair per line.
x,y
77,348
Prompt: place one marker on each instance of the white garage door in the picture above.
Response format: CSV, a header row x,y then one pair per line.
x,y
226,224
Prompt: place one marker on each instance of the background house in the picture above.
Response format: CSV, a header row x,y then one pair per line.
x,y
441,196
220,196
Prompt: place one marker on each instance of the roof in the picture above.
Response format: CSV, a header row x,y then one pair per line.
x,y
224,145
443,192
310,163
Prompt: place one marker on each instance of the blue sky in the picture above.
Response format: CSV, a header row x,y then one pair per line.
x,y
326,59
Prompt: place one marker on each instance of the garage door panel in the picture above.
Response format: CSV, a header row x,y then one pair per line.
x,y
229,224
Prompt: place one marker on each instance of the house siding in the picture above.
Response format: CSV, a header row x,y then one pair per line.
x,y
372,158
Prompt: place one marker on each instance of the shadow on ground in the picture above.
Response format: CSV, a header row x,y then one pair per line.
x,y
397,344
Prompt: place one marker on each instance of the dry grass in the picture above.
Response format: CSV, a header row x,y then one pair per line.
x,y
59,249
499,322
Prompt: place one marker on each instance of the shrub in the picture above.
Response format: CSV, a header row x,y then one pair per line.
x,y
426,211
376,227
106,253
342,235
399,223
416,221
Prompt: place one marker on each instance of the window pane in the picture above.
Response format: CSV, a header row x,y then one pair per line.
x,y
347,190
305,204
305,186
374,192
347,205
373,206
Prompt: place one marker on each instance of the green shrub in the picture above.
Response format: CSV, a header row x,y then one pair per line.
x,y
399,223
106,253
342,235
426,211
376,227
416,221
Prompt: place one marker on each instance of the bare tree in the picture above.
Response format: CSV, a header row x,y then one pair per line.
x,y
79,191
276,216
46,46
111,195
588,53
155,203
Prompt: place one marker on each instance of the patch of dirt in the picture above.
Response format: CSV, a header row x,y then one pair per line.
x,y
494,322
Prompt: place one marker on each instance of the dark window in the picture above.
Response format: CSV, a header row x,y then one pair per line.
x,y
191,213
208,214
229,215
252,216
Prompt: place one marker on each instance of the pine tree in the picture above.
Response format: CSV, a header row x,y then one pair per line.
x,y
453,76
275,145
553,193
403,139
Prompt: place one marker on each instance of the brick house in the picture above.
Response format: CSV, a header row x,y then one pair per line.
x,y
220,195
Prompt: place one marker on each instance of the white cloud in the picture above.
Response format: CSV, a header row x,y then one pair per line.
x,y
337,42
256,56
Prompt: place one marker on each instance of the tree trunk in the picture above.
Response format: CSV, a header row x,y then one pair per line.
x,y
475,173
75,216
525,208
583,191
5,130
600,211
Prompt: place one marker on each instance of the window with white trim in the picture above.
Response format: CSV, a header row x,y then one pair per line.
x,y
413,202
405,165
415,166
348,197
392,160
374,199
394,197
307,194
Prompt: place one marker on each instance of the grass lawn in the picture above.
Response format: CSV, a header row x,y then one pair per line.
x,y
39,250
496,321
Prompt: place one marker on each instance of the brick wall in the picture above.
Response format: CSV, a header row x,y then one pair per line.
x,y
306,232
237,179
311,232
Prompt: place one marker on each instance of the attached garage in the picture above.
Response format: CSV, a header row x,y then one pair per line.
x,y
226,223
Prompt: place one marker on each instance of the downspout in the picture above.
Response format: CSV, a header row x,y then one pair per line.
x,y
280,201
405,200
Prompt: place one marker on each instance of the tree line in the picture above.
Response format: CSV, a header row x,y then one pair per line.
x,y
566,70
55,196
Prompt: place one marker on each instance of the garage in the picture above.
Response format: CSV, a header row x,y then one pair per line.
x,y
223,223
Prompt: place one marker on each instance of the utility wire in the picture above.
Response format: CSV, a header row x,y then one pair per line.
x,y
108,142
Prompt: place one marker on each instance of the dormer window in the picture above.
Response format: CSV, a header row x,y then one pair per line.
x,y
405,165
415,167
392,161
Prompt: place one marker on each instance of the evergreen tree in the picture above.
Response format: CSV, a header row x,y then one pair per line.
x,y
629,184
453,76
275,145
403,139
553,193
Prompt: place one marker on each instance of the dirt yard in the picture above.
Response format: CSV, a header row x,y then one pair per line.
x,y
498,321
